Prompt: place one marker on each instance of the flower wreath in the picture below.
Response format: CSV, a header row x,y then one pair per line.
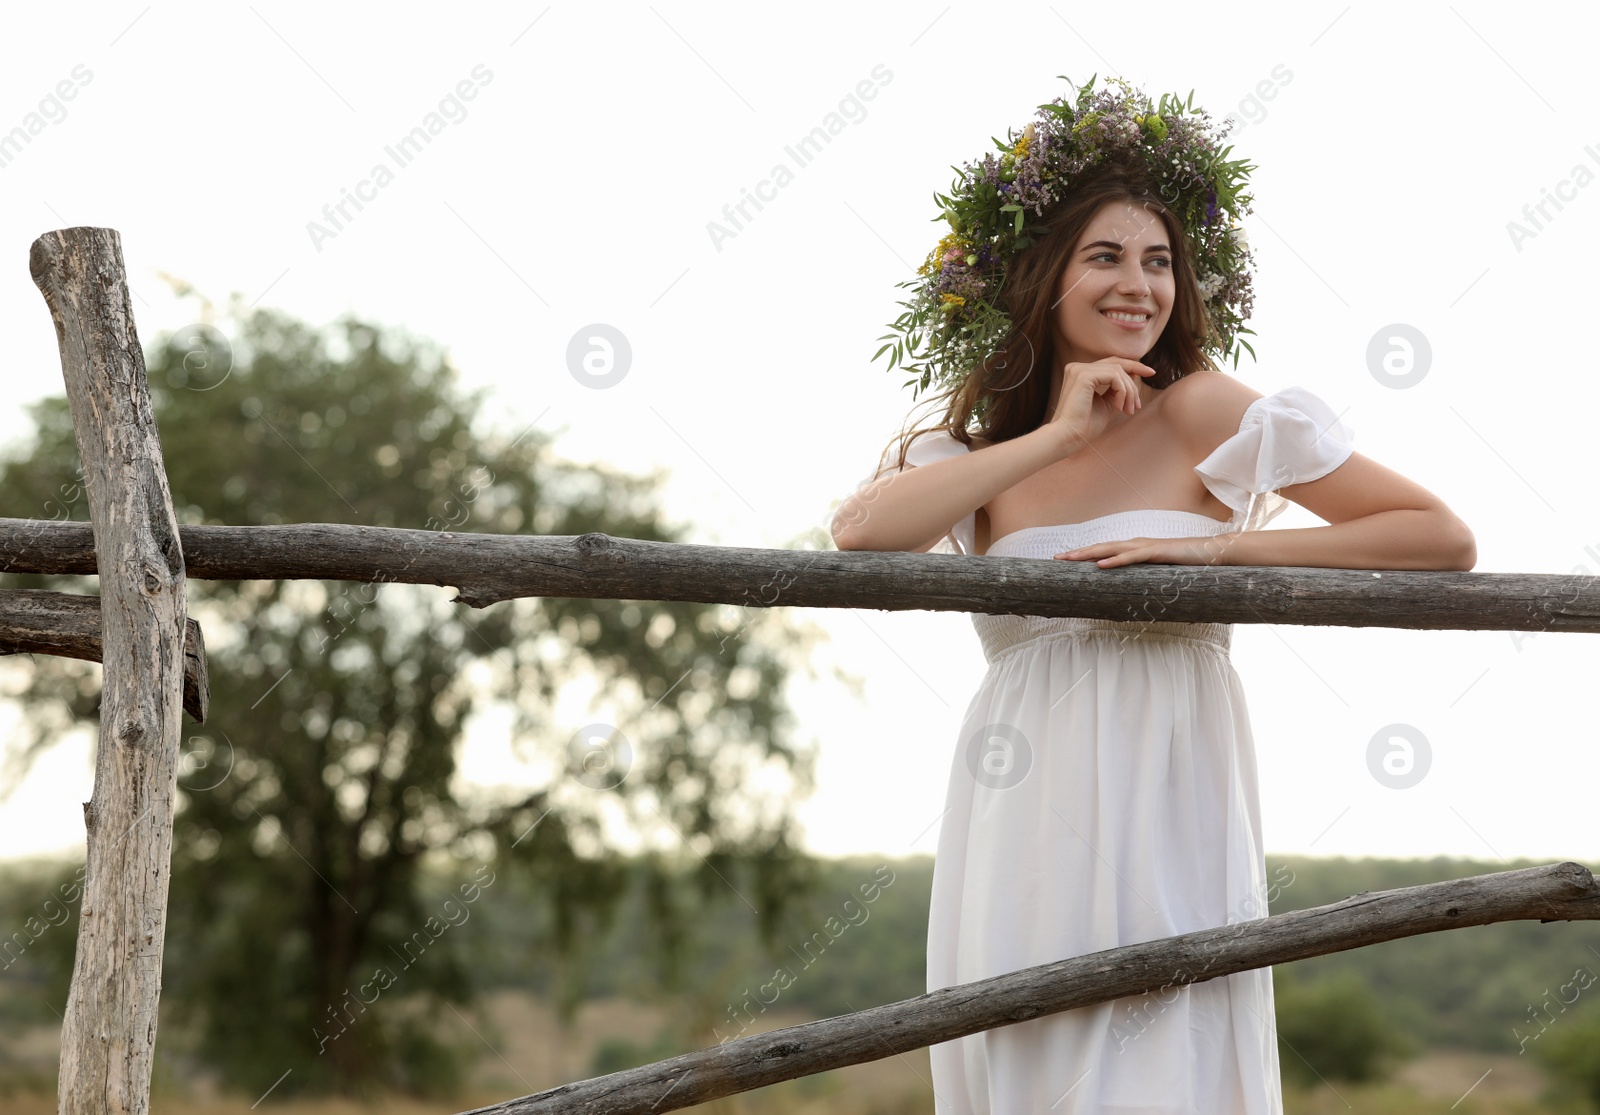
x,y
952,321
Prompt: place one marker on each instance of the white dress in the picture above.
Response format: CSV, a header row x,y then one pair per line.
x,y
1103,792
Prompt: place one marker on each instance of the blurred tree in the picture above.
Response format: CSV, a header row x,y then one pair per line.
x,y
329,772
1333,1029
1419,982
1572,1053
617,1054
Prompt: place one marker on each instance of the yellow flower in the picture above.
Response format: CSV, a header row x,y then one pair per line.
x,y
936,257
952,302
1020,151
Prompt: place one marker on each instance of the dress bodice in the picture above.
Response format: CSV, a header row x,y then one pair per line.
x,y
1051,539
1001,633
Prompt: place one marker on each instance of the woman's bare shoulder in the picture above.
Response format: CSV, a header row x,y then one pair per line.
x,y
1210,385
1206,407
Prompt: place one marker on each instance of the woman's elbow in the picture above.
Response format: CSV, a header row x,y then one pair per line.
x,y
1463,549
845,518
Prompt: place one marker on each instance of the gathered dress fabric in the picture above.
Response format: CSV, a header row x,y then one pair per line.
x,y
1103,792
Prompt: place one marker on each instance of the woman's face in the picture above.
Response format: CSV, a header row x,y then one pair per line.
x,y
1122,262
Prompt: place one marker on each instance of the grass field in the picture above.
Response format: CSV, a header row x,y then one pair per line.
x,y
536,1053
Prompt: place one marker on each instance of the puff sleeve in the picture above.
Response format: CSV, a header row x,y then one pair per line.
x,y
927,447
1288,437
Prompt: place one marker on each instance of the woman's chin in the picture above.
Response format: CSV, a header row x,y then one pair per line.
x,y
1132,351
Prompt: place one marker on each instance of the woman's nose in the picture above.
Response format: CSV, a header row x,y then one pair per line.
x,y
1133,280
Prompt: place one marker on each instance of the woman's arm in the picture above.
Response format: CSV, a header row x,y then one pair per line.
x,y
1377,520
904,510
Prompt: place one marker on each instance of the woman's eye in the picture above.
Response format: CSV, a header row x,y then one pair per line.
x,y
1112,257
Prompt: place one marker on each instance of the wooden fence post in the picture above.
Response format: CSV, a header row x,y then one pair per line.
x,y
109,1029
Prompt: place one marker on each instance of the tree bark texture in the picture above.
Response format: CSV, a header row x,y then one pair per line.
x,y
109,1028
68,626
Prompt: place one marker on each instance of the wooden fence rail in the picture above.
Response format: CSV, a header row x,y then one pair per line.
x,y
487,568
68,626
1555,892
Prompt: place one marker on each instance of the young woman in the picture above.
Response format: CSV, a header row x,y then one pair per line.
x,y
1103,791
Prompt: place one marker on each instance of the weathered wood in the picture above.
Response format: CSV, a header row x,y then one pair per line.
x,y
487,568
109,1028
1555,892
37,622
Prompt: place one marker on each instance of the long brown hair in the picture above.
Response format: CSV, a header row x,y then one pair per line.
x,y
1009,389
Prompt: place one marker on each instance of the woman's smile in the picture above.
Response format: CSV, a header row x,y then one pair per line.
x,y
1132,322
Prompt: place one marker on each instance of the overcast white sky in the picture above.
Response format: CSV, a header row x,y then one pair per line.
x,y
1398,144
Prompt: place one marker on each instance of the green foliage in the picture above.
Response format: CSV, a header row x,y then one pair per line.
x,y
38,911
305,929
1335,1010
1572,1055
1465,989
617,1054
1469,988
1335,1030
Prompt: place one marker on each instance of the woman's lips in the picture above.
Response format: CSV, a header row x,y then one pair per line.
x,y
1131,326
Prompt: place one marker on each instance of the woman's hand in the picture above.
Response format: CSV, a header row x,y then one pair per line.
x,y
1210,550
1089,393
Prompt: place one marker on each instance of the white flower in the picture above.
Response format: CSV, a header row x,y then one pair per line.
x,y
1238,234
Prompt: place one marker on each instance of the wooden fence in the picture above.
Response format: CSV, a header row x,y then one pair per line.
x,y
154,671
